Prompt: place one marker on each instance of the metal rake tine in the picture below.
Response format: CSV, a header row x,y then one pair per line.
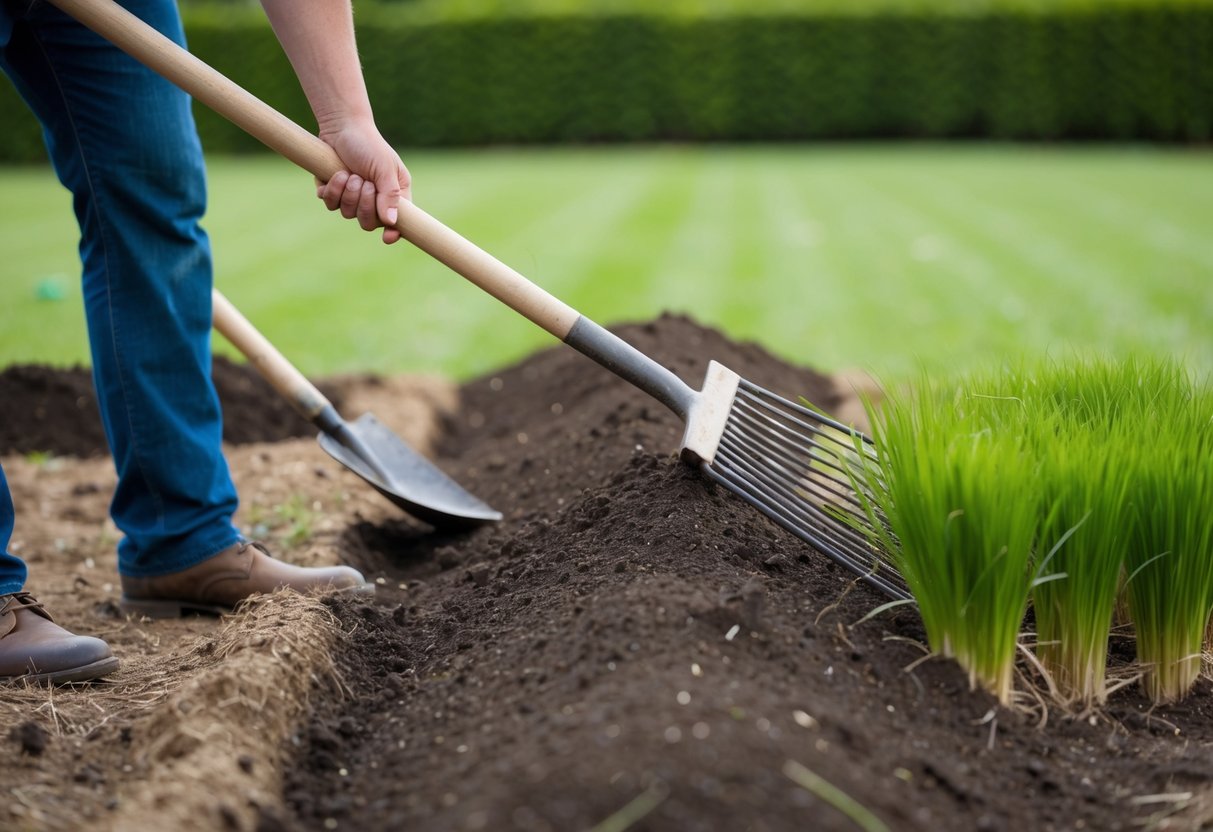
x,y
802,461
788,506
833,456
793,488
788,496
823,544
791,420
769,400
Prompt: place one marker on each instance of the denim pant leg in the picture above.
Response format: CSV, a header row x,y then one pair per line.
x,y
12,568
123,142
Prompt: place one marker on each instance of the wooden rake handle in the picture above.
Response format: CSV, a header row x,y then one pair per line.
x,y
279,133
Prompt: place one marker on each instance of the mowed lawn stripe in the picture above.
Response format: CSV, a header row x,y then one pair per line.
x,y
1078,295
758,273
1058,287
866,309
1136,224
1117,292
835,255
823,302
938,281
1165,268
692,263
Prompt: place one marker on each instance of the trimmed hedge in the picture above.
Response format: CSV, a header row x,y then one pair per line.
x,y
465,73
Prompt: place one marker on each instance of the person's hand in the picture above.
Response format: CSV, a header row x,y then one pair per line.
x,y
374,180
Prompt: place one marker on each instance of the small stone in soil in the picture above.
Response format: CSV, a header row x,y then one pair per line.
x,y
32,738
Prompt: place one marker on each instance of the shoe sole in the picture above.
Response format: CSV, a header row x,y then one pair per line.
x,y
168,609
148,608
84,673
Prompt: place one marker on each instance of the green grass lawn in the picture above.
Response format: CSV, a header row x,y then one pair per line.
x,y
886,257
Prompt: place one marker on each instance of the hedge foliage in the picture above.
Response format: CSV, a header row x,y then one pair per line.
x,y
463,72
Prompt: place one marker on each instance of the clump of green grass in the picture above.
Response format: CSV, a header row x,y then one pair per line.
x,y
1064,481
1077,415
958,490
1075,590
1170,566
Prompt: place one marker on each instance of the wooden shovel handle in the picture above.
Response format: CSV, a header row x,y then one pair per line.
x,y
263,122
272,365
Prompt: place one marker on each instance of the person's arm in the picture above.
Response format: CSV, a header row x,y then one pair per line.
x,y
318,37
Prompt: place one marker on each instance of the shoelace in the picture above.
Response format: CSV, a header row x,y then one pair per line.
x,y
21,600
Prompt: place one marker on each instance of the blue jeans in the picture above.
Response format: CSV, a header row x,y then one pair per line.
x,y
123,141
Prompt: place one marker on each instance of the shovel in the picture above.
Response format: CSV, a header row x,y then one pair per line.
x,y
788,461
366,446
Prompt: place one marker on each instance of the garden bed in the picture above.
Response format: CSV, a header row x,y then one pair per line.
x,y
631,644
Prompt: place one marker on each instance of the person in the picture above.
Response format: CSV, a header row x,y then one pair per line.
x,y
123,142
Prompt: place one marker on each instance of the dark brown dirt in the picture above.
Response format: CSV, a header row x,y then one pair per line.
x,y
631,645
54,411
635,644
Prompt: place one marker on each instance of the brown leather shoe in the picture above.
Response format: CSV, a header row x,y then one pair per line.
x,y
34,648
219,583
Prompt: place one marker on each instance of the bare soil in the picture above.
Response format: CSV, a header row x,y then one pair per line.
x,y
631,647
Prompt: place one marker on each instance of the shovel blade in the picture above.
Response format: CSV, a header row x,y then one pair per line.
x,y
406,477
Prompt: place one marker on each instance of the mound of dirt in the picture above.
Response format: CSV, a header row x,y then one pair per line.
x,y
636,646
54,411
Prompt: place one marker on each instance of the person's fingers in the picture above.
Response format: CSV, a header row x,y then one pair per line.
x,y
385,206
332,190
368,218
391,186
374,202
350,196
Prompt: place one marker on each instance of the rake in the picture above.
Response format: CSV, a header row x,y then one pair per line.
x,y
791,463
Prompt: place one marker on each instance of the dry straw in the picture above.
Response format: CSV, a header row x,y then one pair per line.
x,y
184,719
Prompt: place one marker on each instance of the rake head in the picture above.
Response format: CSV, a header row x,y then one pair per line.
x,y
792,464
